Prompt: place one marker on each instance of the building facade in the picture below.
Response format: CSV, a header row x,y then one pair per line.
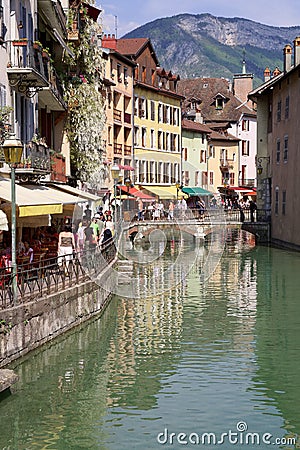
x,y
278,111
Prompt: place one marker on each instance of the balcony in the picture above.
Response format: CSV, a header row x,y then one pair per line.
x,y
35,164
117,149
247,182
30,71
226,164
52,95
127,150
117,115
27,70
54,13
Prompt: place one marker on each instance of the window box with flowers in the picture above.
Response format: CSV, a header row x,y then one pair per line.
x,y
37,45
20,42
46,53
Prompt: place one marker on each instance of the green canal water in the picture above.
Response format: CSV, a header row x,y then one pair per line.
x,y
219,357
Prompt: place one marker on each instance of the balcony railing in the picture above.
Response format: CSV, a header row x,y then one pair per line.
x,y
127,150
36,162
48,276
118,149
117,115
247,182
29,71
226,163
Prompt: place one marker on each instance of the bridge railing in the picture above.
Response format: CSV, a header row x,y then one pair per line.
x,y
42,278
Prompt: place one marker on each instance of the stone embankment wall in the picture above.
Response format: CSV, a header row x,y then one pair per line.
x,y
28,326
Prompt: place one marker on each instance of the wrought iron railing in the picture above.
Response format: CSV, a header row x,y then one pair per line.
x,y
44,277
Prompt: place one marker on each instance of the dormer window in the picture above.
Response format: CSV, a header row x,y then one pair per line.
x,y
220,101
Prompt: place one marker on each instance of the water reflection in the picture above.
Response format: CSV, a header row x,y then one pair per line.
x,y
199,358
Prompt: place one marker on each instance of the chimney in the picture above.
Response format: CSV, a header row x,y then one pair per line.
x,y
276,72
267,74
297,51
109,41
287,58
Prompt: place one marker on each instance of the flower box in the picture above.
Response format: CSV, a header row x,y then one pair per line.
x,y
20,42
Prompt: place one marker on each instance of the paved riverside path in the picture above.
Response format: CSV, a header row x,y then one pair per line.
x,y
7,378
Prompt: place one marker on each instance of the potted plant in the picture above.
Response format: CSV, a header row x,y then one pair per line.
x,y
46,53
22,42
37,45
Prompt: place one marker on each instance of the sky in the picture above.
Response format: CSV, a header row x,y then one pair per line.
x,y
126,15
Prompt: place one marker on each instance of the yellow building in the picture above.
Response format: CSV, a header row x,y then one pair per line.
x,y
157,119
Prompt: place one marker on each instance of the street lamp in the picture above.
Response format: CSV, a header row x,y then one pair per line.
x,y
115,173
259,160
177,189
127,182
13,149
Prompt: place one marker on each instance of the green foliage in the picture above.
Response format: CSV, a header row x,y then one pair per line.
x,y
5,112
86,118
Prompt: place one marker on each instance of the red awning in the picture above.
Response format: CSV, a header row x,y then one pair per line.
x,y
125,167
136,193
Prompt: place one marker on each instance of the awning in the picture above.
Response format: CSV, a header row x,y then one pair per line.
x,y
34,200
164,192
75,191
125,167
3,221
197,190
137,193
250,193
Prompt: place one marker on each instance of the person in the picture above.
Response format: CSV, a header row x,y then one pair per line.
x,y
28,251
156,212
253,208
140,209
182,206
87,213
106,236
171,210
109,225
81,237
66,244
95,226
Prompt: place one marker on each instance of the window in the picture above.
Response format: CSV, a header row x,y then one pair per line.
x,y
211,151
136,105
185,154
152,138
285,149
160,111
2,95
245,148
153,77
287,107
144,133
279,111
202,156
278,151
245,125
276,200
144,74
196,178
219,103
125,75
119,73
283,202
159,140
152,110
211,178
136,136
232,179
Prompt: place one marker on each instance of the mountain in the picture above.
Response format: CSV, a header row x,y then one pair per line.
x,y
203,45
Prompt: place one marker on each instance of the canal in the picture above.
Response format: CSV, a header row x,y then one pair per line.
x,y
208,363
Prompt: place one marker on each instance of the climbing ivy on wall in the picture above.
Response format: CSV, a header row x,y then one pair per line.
x,y
86,113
